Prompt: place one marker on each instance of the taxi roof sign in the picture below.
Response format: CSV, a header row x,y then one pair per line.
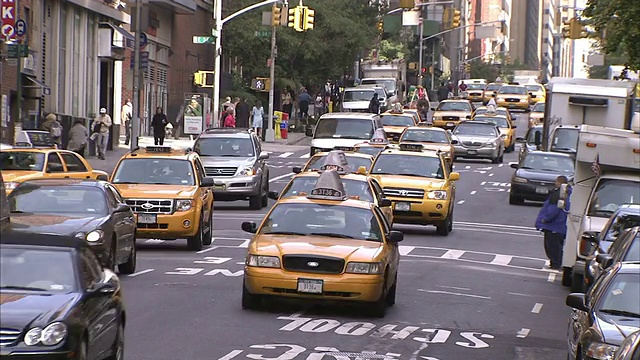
x,y
379,137
328,187
411,147
158,149
337,161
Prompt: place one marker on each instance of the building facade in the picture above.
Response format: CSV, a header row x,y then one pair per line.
x,y
526,41
491,39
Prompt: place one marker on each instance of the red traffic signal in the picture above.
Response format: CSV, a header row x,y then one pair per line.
x,y
424,70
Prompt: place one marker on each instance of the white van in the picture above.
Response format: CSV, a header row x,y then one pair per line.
x,y
343,130
357,99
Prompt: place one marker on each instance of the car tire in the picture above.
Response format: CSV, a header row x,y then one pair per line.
x,y
81,353
195,242
113,259
379,307
249,300
265,196
495,160
118,345
576,282
208,235
444,228
391,295
129,267
255,202
566,277
511,147
515,200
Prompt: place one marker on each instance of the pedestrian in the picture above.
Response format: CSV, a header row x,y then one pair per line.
x,y
53,126
78,137
552,221
158,124
492,105
462,86
443,92
257,114
229,120
423,111
287,101
304,99
374,104
127,115
242,114
101,127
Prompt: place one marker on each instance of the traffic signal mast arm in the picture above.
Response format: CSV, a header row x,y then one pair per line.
x,y
461,27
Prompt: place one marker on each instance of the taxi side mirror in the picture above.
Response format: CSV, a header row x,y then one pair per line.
x,y
207,181
102,177
454,142
395,236
362,170
250,227
520,139
530,94
454,176
263,155
433,109
385,203
468,116
514,166
274,195
514,126
296,169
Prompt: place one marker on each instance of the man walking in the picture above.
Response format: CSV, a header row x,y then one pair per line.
x,y
104,122
242,114
552,221
158,124
127,115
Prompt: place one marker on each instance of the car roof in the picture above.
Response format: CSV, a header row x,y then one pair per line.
x,y
35,149
346,153
551,153
13,237
178,154
347,202
628,267
425,152
226,132
428,128
349,176
477,122
348,115
514,85
455,100
628,208
66,182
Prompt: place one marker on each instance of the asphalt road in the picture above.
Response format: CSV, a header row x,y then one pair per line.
x,y
483,292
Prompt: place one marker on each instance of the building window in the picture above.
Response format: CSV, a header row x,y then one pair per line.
x,y
62,59
77,64
91,66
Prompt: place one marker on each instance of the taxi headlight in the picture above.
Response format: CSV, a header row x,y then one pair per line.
x,y
437,195
10,185
53,334
184,205
601,351
94,236
520,180
437,118
364,268
263,261
248,171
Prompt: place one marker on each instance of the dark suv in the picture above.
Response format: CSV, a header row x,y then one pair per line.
x,y
235,160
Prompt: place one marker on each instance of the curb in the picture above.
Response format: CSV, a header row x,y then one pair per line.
x,y
294,142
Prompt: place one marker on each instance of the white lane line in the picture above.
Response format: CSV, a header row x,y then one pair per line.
x,y
281,177
245,244
240,263
501,165
501,259
552,277
491,174
153,241
496,225
414,356
536,308
140,272
519,294
405,250
456,294
460,202
454,287
207,249
523,333
284,155
305,156
231,355
473,192
453,254
504,231
467,167
483,183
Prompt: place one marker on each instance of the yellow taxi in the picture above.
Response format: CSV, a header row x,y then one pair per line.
x,y
357,185
394,122
419,184
474,92
416,113
536,116
506,127
538,93
323,246
373,147
450,113
499,111
489,91
431,138
513,97
20,164
355,159
169,192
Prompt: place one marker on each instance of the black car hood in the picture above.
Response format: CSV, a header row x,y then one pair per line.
x,y
20,310
55,224
533,174
615,328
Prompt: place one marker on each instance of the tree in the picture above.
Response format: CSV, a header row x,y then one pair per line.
x,y
617,28
483,70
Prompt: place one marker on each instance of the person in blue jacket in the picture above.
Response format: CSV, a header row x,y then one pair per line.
x,y
552,221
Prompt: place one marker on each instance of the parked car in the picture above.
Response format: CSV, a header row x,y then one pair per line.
x,y
630,348
625,249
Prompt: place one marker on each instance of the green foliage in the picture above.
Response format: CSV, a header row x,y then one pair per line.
x,y
617,27
390,50
602,71
483,70
342,30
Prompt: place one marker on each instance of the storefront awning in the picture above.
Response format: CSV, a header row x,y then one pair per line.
x,y
129,38
37,84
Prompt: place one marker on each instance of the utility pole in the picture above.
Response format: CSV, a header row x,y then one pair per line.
x,y
217,32
135,121
421,25
269,135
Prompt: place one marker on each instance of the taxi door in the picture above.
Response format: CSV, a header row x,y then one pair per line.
x,y
387,211
391,250
204,193
75,167
54,167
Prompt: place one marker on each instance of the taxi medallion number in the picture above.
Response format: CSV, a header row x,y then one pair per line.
x,y
403,206
310,286
147,218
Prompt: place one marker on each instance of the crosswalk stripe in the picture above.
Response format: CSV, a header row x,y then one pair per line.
x,y
284,155
305,156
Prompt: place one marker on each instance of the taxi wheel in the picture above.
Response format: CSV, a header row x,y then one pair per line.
x,y
444,228
208,236
379,308
265,196
195,242
129,267
250,301
511,147
391,295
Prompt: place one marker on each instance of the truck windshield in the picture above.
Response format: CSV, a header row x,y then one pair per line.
x,y
361,129
358,95
610,194
565,140
390,84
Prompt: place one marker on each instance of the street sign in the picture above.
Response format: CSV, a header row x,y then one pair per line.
x,y
263,33
21,28
143,40
214,33
204,39
12,51
144,60
8,19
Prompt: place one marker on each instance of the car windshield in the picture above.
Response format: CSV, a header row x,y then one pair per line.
x,y
37,199
354,162
475,86
454,106
397,120
361,129
622,222
519,90
369,150
483,110
531,139
36,269
408,165
610,194
305,184
547,162
633,254
426,135
493,87
358,95
475,130
156,171
389,85
621,296
533,88
225,146
21,160
538,107
565,140
499,121
323,219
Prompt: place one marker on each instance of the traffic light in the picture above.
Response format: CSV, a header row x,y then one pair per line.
x,y
566,29
407,4
203,78
467,68
575,29
295,19
423,70
455,19
380,25
309,18
276,14
446,18
261,84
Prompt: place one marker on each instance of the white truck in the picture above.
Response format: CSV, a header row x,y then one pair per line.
x,y
524,77
390,74
607,163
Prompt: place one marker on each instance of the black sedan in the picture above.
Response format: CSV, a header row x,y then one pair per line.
x,y
609,312
535,176
91,210
56,300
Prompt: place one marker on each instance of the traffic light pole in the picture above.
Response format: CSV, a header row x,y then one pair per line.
x,y
269,135
135,108
421,76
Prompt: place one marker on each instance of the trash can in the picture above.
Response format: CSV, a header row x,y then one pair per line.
x,y
276,126
284,126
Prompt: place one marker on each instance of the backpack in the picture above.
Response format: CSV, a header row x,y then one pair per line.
x,y
56,130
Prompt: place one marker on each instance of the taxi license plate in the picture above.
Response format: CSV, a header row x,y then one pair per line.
x,y
147,218
450,124
403,206
472,152
310,286
542,190
220,187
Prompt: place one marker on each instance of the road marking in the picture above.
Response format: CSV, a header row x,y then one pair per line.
x,y
523,333
460,202
491,174
500,231
455,294
305,156
284,155
519,294
281,177
405,250
536,308
483,183
498,225
240,263
501,165
208,249
552,277
140,272
454,287
245,244
501,260
231,355
467,167
453,254
153,241
473,192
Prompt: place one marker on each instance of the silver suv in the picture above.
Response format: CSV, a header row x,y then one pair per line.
x,y
235,160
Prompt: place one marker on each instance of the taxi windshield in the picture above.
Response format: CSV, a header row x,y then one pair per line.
x,y
21,160
337,128
610,194
323,220
533,88
408,165
538,107
397,120
353,187
498,120
493,87
224,146
549,162
32,198
354,162
369,150
426,136
454,106
484,110
27,269
519,90
358,95
155,171
475,86
475,129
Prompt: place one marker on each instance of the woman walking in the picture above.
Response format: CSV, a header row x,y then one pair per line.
x,y
78,137
257,113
